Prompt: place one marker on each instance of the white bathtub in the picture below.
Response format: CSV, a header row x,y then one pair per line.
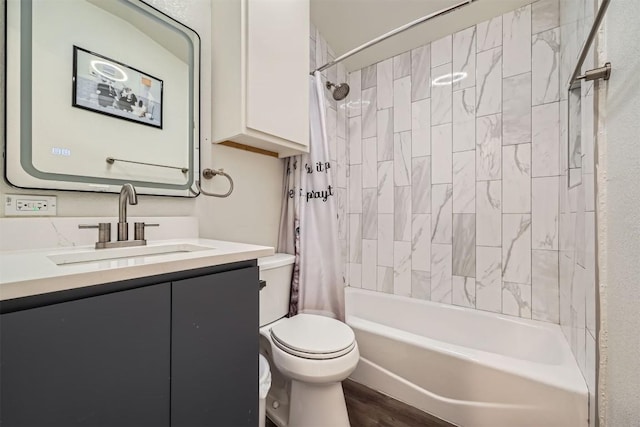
x,y
468,367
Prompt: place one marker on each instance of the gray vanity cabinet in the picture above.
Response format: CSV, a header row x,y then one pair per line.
x,y
178,349
214,353
98,361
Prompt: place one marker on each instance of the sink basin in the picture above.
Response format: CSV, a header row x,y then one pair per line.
x,y
121,253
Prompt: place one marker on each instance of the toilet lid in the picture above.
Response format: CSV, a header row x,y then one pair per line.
x,y
313,337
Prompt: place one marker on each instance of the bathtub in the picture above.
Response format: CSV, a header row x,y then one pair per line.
x,y
468,367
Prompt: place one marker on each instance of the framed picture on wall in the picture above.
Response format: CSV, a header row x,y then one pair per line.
x,y
106,86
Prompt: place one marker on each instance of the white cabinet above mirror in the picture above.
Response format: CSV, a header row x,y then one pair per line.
x,y
261,74
101,93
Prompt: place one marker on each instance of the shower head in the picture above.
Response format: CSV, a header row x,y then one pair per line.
x,y
340,91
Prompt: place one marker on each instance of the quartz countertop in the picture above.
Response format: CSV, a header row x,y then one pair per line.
x,y
38,271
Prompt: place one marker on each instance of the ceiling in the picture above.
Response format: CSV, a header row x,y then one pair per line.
x,y
346,24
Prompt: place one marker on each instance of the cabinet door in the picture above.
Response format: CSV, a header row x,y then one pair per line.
x,y
99,361
278,68
214,354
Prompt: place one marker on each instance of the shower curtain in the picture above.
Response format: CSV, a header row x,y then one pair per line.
x,y
309,221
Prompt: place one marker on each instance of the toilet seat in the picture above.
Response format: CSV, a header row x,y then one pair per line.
x,y
313,337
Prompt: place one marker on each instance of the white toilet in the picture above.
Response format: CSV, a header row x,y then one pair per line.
x,y
309,355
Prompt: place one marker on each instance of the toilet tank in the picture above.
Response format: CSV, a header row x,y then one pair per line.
x,y
276,270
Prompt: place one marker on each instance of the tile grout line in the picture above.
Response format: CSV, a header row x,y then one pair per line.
x,y
531,161
452,186
502,164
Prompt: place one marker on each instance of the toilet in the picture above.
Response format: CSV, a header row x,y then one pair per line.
x,y
309,355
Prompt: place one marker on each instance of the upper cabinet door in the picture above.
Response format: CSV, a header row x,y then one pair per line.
x,y
260,74
278,68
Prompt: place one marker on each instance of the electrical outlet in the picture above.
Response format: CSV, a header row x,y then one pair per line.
x,y
28,205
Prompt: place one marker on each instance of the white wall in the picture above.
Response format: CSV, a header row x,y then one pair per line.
x,y
251,214
619,220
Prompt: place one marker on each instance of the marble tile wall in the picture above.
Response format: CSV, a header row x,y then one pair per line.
x,y
455,168
577,274
339,151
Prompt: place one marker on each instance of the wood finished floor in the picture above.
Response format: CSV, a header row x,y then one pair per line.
x,y
369,408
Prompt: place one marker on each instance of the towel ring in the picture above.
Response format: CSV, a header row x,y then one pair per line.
x,y
210,173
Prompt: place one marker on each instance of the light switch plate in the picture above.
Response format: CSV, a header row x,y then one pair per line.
x,y
29,205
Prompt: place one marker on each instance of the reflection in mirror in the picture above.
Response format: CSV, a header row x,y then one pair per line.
x,y
108,97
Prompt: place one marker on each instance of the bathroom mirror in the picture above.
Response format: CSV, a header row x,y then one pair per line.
x,y
101,93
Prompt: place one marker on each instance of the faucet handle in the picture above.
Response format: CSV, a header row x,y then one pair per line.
x,y
104,231
138,229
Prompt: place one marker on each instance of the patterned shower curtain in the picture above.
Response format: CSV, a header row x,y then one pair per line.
x,y
309,221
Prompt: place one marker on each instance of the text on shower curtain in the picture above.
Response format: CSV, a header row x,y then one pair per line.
x,y
313,194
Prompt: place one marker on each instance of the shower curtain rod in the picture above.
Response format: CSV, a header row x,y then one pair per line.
x,y
598,73
392,33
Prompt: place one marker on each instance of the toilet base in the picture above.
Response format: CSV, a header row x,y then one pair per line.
x,y
278,407
318,405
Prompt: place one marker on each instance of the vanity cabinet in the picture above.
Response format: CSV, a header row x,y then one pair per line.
x,y
214,350
98,361
260,72
179,349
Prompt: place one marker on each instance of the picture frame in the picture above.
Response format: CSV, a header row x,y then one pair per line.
x,y
106,86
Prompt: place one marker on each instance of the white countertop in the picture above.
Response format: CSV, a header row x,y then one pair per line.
x,y
31,272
